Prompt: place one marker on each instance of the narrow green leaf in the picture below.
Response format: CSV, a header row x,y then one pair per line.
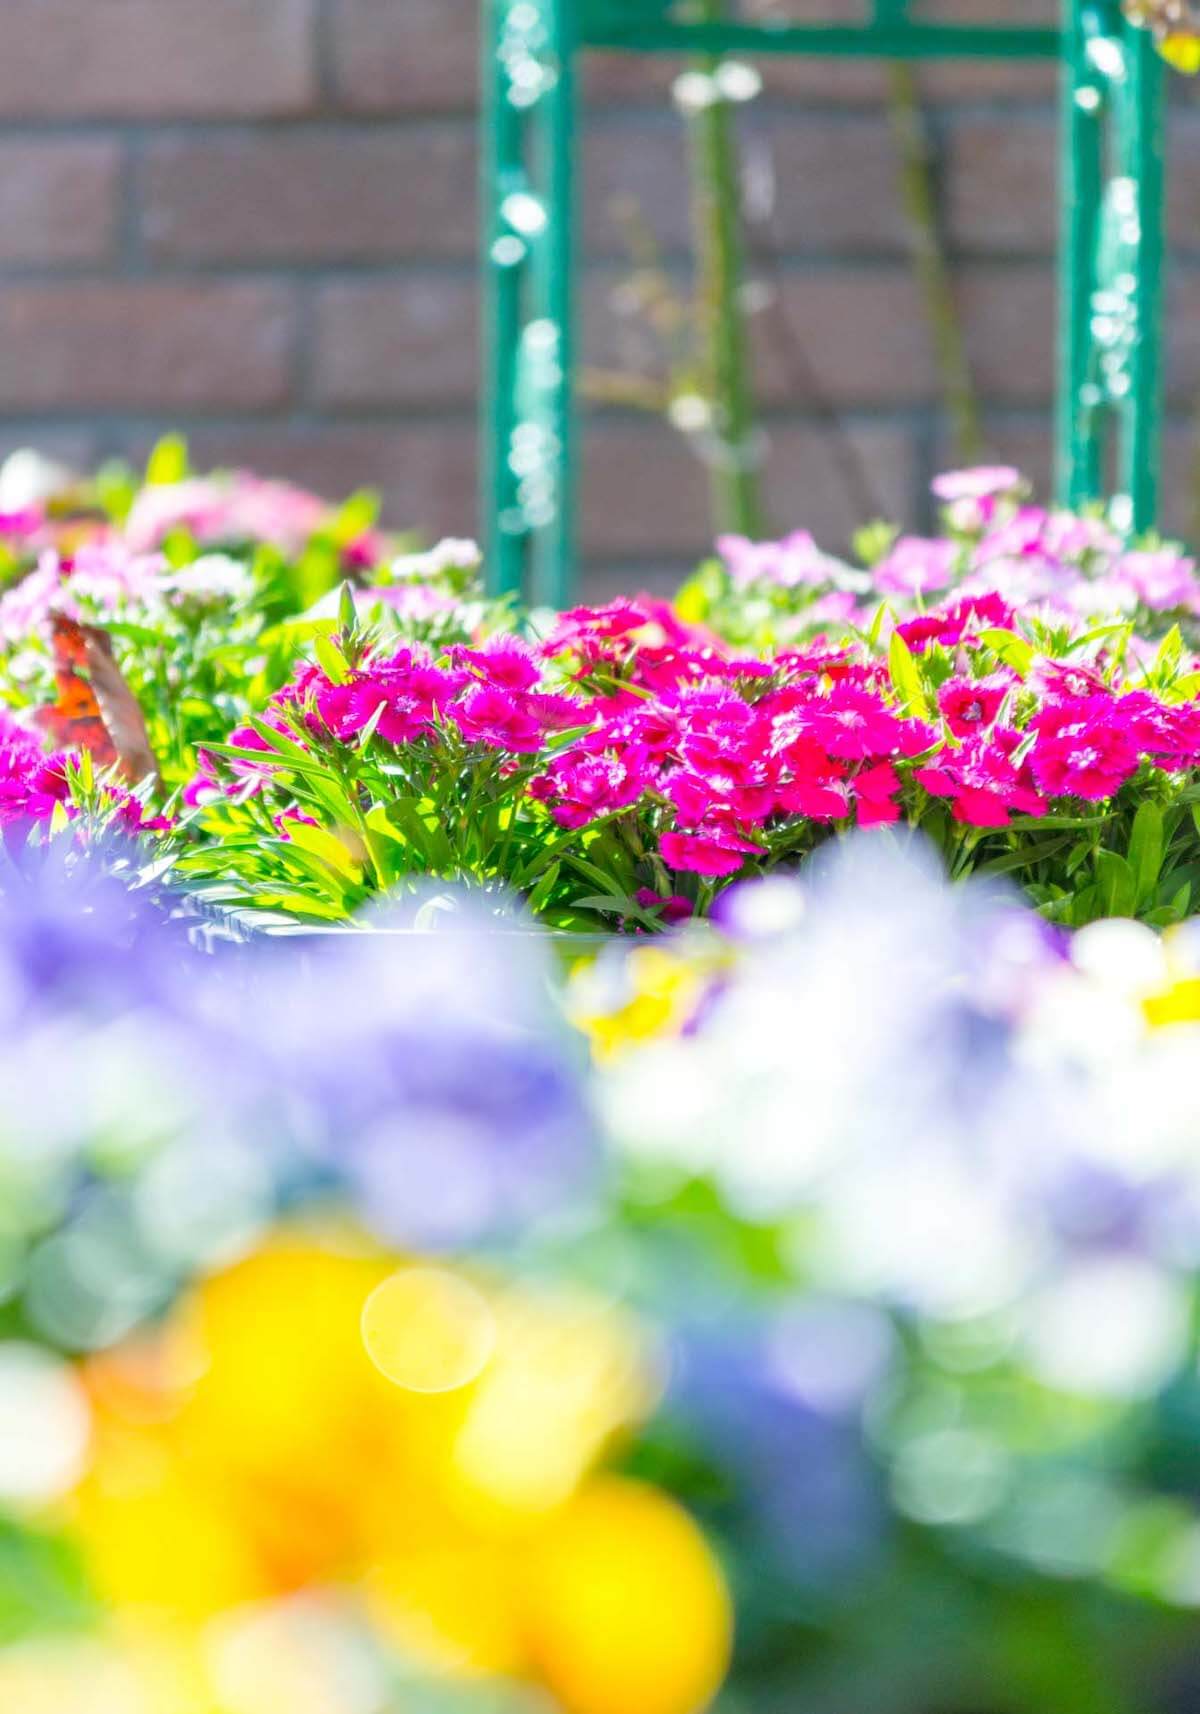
x,y
541,893
1025,856
1168,655
1014,651
906,677
347,611
332,661
1116,885
1147,848
326,845
168,462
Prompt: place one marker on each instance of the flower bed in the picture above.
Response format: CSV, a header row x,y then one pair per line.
x,y
1021,689
461,1318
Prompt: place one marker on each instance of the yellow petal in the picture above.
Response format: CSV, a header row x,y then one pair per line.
x,y
628,1612
1179,1004
567,1375
452,1605
154,1538
1182,52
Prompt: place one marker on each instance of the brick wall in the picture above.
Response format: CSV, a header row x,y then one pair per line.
x,y
255,219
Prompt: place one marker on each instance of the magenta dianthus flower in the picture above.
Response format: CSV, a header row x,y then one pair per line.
x,y
712,851
1085,748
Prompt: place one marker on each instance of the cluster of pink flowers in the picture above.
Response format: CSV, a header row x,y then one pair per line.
x,y
725,759
725,747
89,566
824,741
104,574
491,695
738,748
1059,565
225,508
34,784
31,782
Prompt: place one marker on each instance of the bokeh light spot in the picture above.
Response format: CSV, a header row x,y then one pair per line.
x,y
44,1426
428,1330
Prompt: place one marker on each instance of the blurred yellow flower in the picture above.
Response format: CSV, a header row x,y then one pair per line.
x,y
420,1440
1178,1004
659,992
1181,50
627,1609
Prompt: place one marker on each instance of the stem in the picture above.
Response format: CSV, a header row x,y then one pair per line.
x,y
788,349
716,214
929,255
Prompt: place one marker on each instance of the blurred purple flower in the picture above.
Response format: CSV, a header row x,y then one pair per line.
x,y
777,1404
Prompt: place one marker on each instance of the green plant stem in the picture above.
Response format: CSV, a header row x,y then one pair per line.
x,y
932,267
716,216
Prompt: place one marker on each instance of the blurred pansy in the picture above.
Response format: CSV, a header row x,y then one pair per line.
x,y
775,1404
442,1089
425,1078
628,998
280,1429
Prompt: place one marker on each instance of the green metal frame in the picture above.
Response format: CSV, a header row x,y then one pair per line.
x,y
1109,392
1110,297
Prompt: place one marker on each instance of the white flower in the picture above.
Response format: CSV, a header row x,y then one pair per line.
x,y
451,554
212,577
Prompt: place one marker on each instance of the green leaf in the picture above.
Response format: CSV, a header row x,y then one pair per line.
x,y
368,732
415,819
876,630
347,611
1080,907
43,1585
296,863
1168,655
1116,885
540,895
168,462
608,885
299,904
179,549
116,488
1014,651
282,743
617,904
356,516
1025,856
242,754
325,845
1147,847
694,601
331,660
906,677
873,541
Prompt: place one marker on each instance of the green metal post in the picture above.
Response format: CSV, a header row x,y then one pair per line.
x,y
553,567
1081,145
1110,381
503,270
1141,150
1111,265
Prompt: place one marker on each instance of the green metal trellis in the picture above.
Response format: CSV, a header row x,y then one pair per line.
x,y
1111,266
